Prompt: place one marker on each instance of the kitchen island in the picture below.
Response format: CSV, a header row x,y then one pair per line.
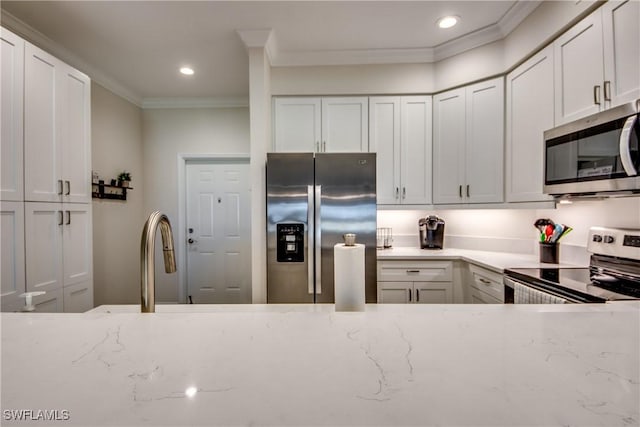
x,y
309,365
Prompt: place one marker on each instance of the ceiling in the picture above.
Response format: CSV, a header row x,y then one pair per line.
x,y
138,46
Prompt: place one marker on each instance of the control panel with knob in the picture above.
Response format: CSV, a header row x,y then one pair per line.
x,y
624,243
609,239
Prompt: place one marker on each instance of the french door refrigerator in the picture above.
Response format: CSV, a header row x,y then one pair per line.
x,y
312,200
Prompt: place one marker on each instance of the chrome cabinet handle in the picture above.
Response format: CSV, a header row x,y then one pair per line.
x,y
60,217
468,195
607,90
409,295
596,94
60,191
68,218
413,271
68,184
460,191
417,295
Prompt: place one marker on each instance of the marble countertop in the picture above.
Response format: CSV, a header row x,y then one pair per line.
x,y
298,365
496,261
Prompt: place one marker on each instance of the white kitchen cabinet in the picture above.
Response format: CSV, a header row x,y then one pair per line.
x,y
57,144
297,124
400,134
332,124
11,126
421,282
621,34
485,286
529,113
50,302
597,62
58,245
12,272
78,298
468,144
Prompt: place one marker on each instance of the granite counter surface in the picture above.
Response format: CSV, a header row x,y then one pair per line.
x,y
299,365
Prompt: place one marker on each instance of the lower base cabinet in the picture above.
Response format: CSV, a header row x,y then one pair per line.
x,y
415,282
485,286
78,298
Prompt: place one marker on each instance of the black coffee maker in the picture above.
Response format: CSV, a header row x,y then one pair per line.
x,y
431,232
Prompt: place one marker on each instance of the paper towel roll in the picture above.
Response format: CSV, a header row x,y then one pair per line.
x,y
348,273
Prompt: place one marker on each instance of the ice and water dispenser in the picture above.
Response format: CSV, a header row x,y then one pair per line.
x,y
290,246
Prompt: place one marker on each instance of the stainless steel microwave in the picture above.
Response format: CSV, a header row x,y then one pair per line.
x,y
596,155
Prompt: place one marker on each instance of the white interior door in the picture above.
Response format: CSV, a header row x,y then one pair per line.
x,y
218,233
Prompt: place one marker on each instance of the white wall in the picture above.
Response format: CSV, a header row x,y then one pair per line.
x,y
116,146
168,132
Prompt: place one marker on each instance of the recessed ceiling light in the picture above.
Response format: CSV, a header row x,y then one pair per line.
x,y
187,71
448,21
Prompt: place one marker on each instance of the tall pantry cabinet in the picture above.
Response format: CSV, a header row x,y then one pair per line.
x,y
46,199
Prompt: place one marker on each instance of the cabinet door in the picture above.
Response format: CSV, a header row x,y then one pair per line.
x,y
345,125
415,137
484,147
433,292
579,70
43,244
11,126
529,98
78,298
74,119
42,175
621,51
12,247
448,146
297,124
77,244
384,139
395,292
50,302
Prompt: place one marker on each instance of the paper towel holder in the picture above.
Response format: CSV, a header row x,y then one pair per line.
x,y
349,239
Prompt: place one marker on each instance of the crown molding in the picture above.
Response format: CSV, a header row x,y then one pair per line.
x,y
491,33
259,39
34,36
214,102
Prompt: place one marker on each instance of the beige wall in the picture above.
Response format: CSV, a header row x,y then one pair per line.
x,y
116,146
169,132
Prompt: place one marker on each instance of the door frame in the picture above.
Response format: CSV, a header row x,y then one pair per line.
x,y
181,244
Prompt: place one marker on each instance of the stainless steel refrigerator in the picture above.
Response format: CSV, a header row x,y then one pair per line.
x,y
312,200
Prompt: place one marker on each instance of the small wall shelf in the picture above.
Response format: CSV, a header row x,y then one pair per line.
x,y
106,191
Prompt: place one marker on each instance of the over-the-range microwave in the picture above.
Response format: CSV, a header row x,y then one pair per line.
x,y
597,155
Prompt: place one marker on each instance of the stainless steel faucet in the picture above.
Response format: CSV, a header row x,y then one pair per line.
x,y
147,261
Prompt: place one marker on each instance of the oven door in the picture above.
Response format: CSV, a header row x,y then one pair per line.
x,y
519,292
597,154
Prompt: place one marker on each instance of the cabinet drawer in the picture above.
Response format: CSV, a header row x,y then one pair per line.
x,y
487,282
479,297
415,271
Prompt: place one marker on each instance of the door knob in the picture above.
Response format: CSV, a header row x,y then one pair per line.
x,y
191,241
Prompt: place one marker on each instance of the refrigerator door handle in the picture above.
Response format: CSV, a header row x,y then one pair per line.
x,y
318,239
310,237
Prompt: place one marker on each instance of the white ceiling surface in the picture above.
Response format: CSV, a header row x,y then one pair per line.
x,y
141,44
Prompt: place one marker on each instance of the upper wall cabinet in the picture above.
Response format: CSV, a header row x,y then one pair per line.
x,y
11,154
597,62
468,144
332,124
57,130
528,114
400,134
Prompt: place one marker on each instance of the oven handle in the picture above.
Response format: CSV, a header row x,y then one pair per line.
x,y
509,288
625,149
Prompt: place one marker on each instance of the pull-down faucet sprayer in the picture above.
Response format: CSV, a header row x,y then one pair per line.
x,y
147,261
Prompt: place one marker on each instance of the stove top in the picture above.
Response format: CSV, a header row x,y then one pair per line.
x,y
577,282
